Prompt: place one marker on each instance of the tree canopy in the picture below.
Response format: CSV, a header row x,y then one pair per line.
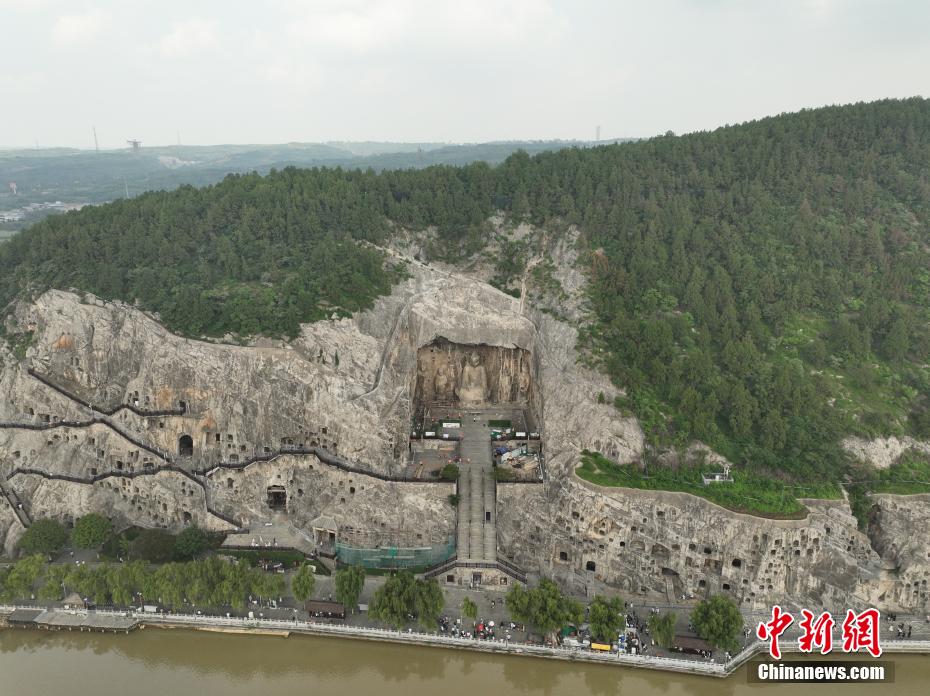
x,y
190,543
762,287
469,609
44,536
90,531
304,583
718,621
607,618
403,598
662,628
544,607
210,582
349,581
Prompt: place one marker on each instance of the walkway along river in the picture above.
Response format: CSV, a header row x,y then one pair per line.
x,y
179,662
414,638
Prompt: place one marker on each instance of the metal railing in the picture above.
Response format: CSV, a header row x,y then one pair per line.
x,y
698,666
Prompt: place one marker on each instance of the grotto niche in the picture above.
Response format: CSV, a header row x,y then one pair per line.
x,y
455,375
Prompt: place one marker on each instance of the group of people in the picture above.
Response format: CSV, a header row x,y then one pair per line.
x,y
898,628
480,630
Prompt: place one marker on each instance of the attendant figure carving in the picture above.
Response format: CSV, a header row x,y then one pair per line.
x,y
442,383
524,385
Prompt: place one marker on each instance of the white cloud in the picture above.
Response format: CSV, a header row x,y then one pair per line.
x,y
367,27
189,37
79,28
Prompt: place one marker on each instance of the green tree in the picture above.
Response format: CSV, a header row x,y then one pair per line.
x,y
662,628
124,580
469,609
718,620
304,583
23,576
544,607
44,536
191,542
349,581
393,601
170,584
403,598
429,601
268,585
53,587
154,545
91,531
607,618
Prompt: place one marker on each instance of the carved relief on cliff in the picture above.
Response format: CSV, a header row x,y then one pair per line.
x,y
472,375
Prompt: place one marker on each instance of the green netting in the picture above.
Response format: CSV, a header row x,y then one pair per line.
x,y
394,556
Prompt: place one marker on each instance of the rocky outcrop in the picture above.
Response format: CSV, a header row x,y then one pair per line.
x,y
345,390
10,527
165,499
883,452
670,544
368,512
898,527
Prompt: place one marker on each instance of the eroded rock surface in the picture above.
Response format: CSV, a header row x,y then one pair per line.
x,y
344,392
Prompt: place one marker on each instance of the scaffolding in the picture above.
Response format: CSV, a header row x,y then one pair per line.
x,y
395,557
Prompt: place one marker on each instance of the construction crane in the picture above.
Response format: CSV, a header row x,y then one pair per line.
x,y
136,145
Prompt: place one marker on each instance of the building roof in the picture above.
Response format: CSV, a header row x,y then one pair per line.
x,y
24,616
74,598
323,606
324,522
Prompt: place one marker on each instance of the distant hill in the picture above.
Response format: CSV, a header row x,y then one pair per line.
x,y
84,176
764,288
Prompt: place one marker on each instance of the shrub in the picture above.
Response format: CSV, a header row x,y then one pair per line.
x,y
44,536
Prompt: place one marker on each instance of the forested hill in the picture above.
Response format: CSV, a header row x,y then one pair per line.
x,y
764,287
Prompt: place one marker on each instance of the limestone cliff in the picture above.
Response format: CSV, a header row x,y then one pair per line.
x,y
112,413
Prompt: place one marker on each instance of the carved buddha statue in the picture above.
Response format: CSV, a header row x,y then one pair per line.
x,y
473,384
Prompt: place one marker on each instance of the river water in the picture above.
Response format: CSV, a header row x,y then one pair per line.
x,y
175,663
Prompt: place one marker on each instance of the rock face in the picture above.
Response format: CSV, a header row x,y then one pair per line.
x,y
10,527
898,528
473,375
119,416
367,511
674,544
882,452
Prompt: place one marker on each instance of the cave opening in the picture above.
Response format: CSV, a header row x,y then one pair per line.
x,y
186,446
277,498
462,391
459,375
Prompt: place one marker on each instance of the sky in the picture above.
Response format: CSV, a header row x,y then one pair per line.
x,y
278,71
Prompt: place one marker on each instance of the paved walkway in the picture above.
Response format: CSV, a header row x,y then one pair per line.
x,y
477,522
